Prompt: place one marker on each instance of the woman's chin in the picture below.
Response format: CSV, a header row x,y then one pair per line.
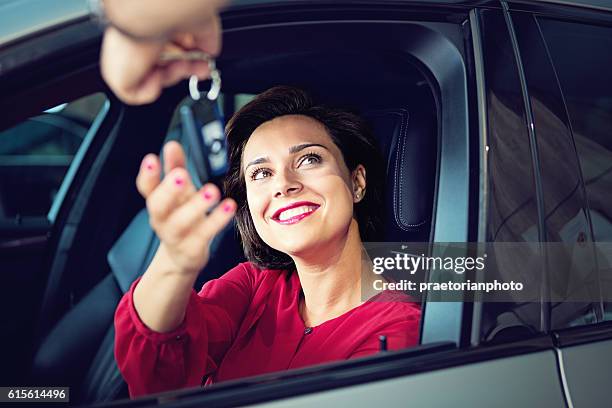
x,y
300,248
297,250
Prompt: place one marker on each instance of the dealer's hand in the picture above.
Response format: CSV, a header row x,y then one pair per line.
x,y
177,212
133,71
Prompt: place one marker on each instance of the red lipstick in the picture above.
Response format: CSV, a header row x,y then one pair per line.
x,y
296,218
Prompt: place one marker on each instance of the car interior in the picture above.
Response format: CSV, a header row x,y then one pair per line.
x,y
105,241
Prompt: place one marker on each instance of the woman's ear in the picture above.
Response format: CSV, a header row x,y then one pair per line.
x,y
358,179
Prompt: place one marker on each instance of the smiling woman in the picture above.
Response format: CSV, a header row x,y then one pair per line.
x,y
297,182
321,149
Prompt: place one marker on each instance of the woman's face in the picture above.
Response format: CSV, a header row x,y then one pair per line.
x,y
299,190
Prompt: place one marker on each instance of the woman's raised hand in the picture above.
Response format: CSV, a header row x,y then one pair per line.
x,y
178,212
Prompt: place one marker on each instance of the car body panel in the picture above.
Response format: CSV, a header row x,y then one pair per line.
x,y
592,389
501,383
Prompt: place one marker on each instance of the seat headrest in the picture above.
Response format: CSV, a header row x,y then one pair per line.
x,y
407,140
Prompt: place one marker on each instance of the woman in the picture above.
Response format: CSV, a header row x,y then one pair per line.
x,y
297,185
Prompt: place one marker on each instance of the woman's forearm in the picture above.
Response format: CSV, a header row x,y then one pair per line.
x,y
155,18
161,296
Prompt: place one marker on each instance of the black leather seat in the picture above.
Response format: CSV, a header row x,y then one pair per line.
x,y
407,139
78,351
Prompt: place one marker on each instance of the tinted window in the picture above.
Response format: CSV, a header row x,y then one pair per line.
x,y
35,155
571,273
512,201
582,58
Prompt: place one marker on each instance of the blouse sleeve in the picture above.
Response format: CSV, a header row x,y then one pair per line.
x,y
152,362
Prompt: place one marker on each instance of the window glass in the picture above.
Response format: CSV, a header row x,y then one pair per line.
x,y
582,59
571,273
512,202
242,99
36,153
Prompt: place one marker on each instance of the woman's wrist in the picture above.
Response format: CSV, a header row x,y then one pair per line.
x,y
164,265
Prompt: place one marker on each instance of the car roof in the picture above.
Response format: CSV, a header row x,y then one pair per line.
x,y
600,4
20,18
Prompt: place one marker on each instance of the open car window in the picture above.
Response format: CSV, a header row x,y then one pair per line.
x,y
36,154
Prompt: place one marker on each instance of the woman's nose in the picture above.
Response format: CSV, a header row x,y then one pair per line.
x,y
287,184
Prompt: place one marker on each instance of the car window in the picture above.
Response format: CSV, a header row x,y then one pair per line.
x,y
512,201
582,60
242,99
36,153
570,278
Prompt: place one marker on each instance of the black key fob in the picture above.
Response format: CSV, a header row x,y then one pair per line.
x,y
203,129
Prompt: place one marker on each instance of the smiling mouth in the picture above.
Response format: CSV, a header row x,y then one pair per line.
x,y
295,215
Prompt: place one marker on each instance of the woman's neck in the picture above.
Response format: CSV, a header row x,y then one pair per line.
x,y
332,278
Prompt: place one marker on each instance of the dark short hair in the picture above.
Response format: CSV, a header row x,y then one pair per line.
x,y
348,131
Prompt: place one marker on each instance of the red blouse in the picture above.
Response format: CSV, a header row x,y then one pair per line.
x,y
247,323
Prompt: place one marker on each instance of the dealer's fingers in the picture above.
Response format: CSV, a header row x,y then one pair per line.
x,y
177,71
127,66
149,175
208,36
174,190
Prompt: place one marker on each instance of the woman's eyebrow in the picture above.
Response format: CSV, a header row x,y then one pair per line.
x,y
258,160
292,150
297,148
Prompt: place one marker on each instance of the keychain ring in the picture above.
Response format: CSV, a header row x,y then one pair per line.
x,y
215,85
215,75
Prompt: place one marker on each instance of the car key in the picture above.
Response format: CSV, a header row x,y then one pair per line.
x,y
202,122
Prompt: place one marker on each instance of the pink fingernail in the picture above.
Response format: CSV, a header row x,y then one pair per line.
x,y
207,195
149,165
227,207
179,181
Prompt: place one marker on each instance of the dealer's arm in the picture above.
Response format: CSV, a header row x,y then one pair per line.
x,y
130,65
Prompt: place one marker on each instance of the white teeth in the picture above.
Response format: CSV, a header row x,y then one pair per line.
x,y
285,215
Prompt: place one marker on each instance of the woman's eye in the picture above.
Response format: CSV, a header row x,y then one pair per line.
x,y
310,158
259,174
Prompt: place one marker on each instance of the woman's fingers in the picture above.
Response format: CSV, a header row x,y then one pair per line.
x,y
185,220
189,223
173,156
148,175
193,212
175,189
150,168
217,219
